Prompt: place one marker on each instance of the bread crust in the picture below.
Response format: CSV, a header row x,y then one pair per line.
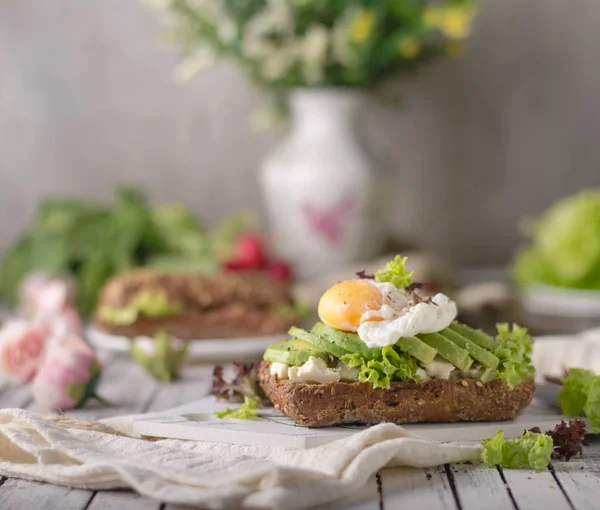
x,y
436,400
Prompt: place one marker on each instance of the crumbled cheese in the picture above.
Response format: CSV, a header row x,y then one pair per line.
x,y
279,369
439,369
314,370
347,373
423,375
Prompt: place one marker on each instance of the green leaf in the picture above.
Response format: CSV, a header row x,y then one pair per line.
x,y
529,451
389,365
395,272
514,352
565,249
93,274
247,411
16,264
164,360
573,396
580,395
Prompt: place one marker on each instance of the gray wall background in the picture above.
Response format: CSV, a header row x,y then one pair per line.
x,y
87,101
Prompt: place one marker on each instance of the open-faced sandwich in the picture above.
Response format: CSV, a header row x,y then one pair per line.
x,y
386,352
143,302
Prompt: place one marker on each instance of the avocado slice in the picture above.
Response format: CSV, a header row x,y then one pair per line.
x,y
417,349
293,352
475,335
447,350
350,342
488,375
319,342
486,358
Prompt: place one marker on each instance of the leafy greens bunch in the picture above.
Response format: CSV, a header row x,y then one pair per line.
x,y
94,242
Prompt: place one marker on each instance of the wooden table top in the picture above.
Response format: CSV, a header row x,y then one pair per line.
x,y
566,486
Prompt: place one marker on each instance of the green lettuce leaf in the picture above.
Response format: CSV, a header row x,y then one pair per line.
x,y
565,249
395,272
389,365
152,303
162,357
529,451
591,409
580,395
247,411
514,352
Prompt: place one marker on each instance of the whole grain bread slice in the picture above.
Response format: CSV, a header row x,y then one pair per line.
x,y
437,400
225,305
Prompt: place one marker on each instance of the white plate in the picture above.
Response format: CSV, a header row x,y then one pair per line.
x,y
196,421
556,301
224,349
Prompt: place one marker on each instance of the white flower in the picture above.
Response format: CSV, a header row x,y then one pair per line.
x,y
313,53
276,19
279,61
193,64
226,29
342,51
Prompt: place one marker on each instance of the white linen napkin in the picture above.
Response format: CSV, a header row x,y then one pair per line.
x,y
211,475
553,354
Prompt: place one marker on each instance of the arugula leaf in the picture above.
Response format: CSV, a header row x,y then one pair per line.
x,y
532,450
247,411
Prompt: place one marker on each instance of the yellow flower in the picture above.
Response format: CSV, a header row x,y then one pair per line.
x,y
456,49
409,47
361,26
456,22
433,17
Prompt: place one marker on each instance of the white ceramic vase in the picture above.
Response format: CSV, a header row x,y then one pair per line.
x,y
320,187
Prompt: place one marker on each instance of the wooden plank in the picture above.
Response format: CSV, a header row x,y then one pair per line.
x,y
532,490
25,495
417,489
580,478
122,500
366,498
475,484
194,384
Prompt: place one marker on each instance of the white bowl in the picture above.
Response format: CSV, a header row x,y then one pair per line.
x,y
556,301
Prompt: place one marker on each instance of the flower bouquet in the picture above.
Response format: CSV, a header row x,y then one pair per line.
x,y
314,58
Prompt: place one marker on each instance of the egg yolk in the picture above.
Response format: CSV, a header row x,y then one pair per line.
x,y
343,305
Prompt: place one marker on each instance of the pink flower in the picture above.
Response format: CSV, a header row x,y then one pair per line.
x,y
68,376
41,295
49,301
22,349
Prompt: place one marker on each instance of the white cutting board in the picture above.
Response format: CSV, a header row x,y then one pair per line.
x,y
196,421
